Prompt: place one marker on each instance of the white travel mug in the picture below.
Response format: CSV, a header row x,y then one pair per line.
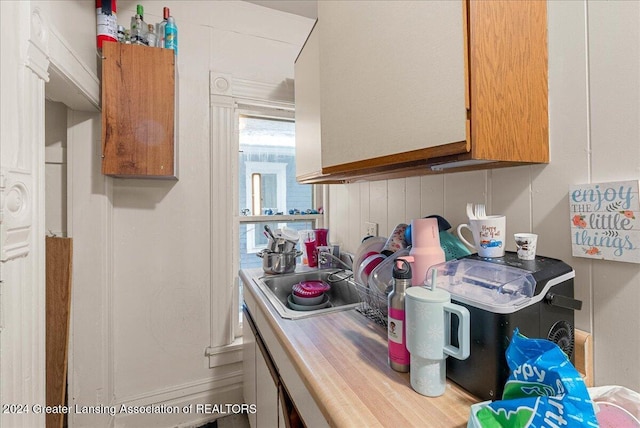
x,y
428,330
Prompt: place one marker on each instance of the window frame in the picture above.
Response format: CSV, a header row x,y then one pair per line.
x,y
263,111
229,97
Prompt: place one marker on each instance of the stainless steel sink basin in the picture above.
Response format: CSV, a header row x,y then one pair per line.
x,y
277,288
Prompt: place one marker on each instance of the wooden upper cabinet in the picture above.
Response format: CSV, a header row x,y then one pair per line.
x,y
509,80
412,88
138,111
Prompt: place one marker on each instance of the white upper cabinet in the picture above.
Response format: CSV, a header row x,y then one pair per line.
x,y
307,96
397,88
392,77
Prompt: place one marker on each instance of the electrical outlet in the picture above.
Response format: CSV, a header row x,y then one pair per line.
x,y
370,229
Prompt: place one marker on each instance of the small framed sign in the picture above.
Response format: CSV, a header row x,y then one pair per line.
x,y
605,221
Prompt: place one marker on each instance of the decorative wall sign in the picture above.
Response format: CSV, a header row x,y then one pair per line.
x,y
605,221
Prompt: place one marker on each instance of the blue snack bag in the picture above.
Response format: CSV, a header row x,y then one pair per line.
x,y
543,390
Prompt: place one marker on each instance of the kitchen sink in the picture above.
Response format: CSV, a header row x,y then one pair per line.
x,y
277,288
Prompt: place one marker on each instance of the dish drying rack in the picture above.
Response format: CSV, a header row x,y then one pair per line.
x,y
373,304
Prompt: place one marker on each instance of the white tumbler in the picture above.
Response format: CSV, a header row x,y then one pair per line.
x,y
428,330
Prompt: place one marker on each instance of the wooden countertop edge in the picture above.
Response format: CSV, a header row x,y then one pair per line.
x,y
346,396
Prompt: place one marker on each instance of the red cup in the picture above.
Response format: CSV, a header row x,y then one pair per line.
x,y
312,255
321,236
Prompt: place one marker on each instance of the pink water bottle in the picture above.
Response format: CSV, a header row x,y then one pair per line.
x,y
399,357
425,250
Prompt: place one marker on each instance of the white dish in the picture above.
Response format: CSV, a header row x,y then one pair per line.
x,y
370,245
325,303
367,266
307,301
381,277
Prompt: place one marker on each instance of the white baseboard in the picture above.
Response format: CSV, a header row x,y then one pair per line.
x,y
190,410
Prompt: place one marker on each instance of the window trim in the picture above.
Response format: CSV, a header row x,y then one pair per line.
x,y
262,111
228,97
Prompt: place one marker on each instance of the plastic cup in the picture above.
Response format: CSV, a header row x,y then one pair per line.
x,y
321,236
526,245
305,236
312,255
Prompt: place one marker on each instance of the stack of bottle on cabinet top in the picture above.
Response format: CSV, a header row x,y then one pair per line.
x,y
164,34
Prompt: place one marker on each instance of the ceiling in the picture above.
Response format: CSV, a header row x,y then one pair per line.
x,y
307,8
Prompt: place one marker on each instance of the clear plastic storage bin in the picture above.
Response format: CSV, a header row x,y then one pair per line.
x,y
489,286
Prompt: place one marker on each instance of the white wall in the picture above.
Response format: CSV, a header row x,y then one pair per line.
x,y
56,168
594,103
142,264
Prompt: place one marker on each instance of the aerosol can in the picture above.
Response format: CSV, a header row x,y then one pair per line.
x,y
396,330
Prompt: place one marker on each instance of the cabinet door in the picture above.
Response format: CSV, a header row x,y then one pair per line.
x,y
138,106
307,95
392,77
509,80
249,370
266,394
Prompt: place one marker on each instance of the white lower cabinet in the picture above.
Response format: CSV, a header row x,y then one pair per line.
x,y
270,380
263,385
260,380
249,372
266,393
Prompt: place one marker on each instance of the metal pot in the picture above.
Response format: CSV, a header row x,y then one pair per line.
x,y
285,246
276,263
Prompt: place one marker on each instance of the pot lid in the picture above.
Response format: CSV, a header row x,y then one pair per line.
x,y
310,288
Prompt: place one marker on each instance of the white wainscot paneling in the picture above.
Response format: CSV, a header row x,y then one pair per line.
x,y
378,203
461,188
396,204
412,199
511,196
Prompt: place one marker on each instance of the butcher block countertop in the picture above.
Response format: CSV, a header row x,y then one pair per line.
x,y
341,358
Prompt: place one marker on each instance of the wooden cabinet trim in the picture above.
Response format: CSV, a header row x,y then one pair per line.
x,y
422,157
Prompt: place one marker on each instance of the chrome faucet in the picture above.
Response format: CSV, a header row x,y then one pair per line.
x,y
324,256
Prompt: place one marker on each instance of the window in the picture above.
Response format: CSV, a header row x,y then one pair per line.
x,y
268,191
253,172
266,194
